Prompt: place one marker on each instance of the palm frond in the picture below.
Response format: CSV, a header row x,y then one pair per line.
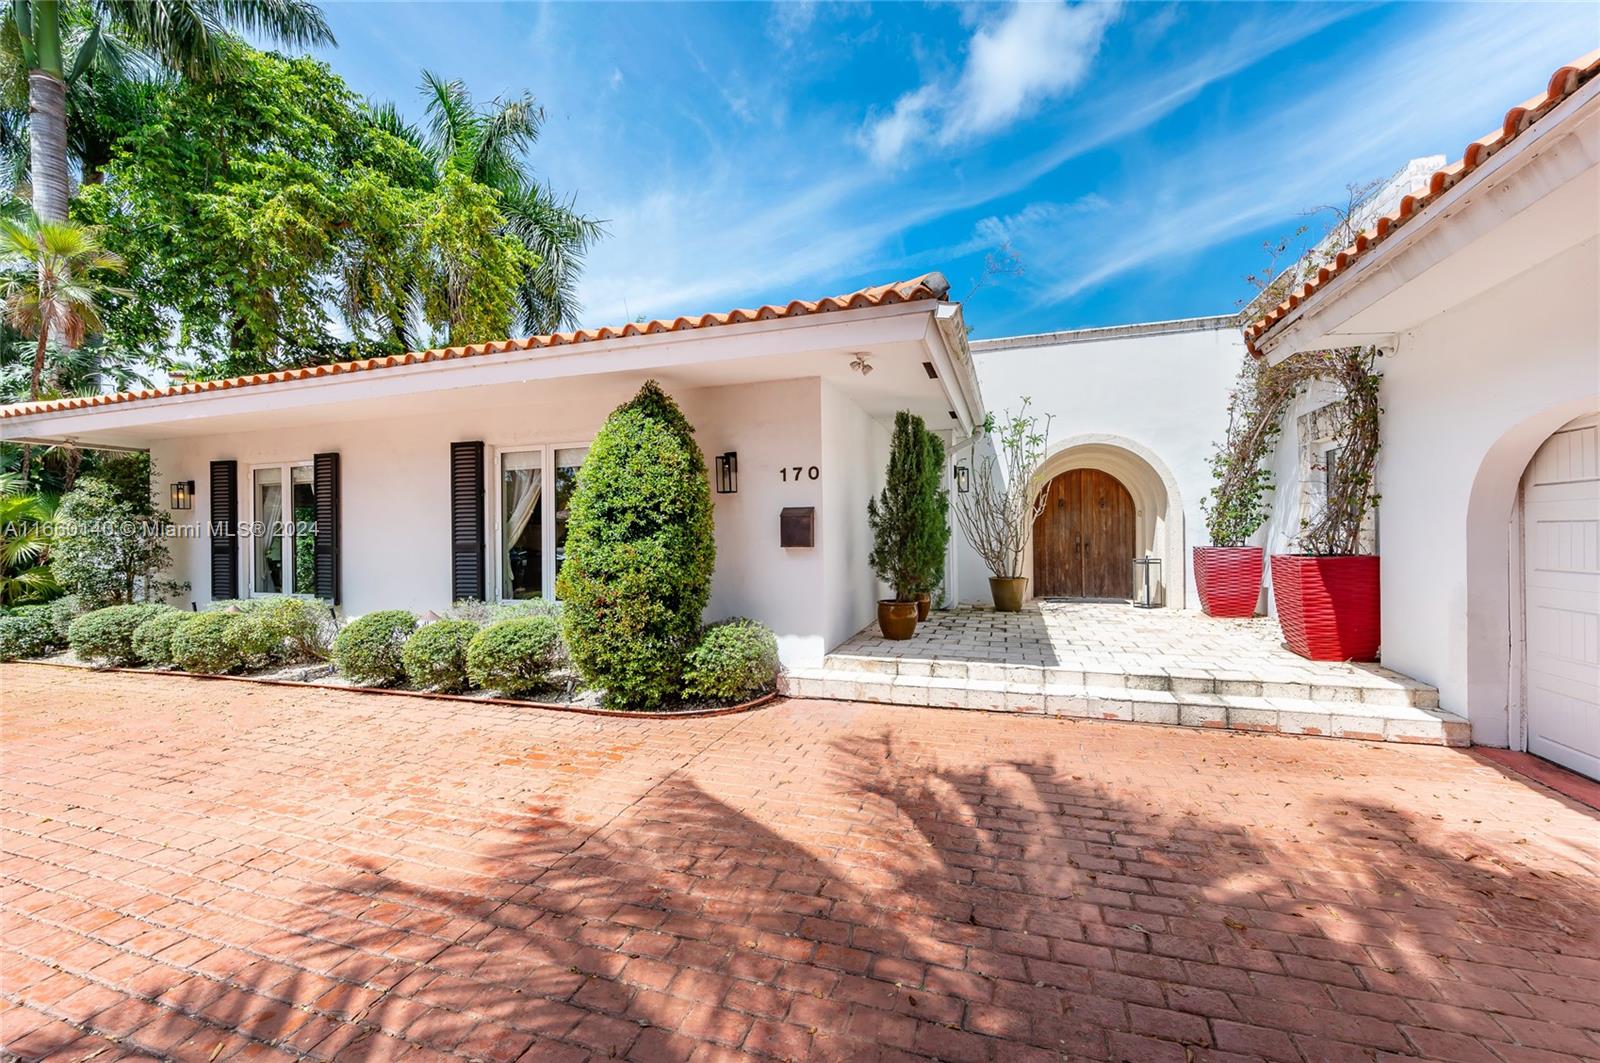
x,y
451,120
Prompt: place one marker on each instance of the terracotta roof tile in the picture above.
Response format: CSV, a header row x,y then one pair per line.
x,y
1563,83
927,286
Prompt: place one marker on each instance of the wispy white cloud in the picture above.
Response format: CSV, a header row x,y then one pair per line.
x,y
1015,63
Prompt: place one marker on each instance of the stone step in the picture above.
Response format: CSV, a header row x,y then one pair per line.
x,y
1367,688
1086,698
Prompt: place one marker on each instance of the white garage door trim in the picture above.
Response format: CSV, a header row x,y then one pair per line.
x,y
1560,559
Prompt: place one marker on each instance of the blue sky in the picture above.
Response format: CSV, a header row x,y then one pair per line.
x,y
1132,157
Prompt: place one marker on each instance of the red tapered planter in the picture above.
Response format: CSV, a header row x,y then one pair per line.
x,y
1228,578
1328,607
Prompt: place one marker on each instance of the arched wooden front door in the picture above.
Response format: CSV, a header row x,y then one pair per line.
x,y
1083,539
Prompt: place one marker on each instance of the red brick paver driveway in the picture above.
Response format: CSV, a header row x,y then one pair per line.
x,y
219,871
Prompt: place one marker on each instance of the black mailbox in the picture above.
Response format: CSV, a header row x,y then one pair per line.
x,y
798,526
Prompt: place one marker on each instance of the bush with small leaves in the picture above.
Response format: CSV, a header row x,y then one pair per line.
x,y
105,636
201,644
284,631
369,649
63,611
436,656
152,639
26,635
515,656
734,661
487,613
256,639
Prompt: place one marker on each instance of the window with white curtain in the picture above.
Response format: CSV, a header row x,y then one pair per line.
x,y
535,494
283,548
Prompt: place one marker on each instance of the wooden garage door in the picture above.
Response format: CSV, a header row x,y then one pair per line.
x,y
1561,536
1083,539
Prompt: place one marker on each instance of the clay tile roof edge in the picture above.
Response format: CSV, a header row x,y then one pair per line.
x,y
929,286
1565,81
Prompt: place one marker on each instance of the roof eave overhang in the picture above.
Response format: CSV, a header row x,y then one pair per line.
x,y
1314,324
123,423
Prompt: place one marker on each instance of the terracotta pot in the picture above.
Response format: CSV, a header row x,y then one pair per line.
x,y
897,620
1328,607
924,606
1007,592
1228,579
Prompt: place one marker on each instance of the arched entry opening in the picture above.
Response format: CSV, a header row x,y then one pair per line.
x,y
1533,586
1084,537
1081,548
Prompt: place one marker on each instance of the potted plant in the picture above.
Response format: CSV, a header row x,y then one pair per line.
x,y
1327,596
931,537
897,517
1228,573
1003,499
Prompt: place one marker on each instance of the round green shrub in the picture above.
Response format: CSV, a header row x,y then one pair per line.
x,y
368,650
436,656
23,635
152,639
305,627
255,639
514,656
201,644
105,636
735,661
640,553
63,611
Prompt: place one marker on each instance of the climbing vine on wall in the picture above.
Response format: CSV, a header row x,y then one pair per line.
x,y
1240,500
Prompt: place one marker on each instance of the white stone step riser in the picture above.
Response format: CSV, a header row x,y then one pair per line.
x,y
1142,707
1417,696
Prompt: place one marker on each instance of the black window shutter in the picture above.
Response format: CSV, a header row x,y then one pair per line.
x,y
466,521
325,475
224,530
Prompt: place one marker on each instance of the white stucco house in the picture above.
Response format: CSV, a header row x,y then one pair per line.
x,y
444,474
1483,291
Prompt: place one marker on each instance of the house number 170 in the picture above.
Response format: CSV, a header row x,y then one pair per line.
x,y
809,472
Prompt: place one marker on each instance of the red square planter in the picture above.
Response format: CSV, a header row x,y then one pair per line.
x,y
1328,607
1228,579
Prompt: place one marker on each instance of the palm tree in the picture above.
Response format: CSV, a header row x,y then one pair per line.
x,y
184,36
489,144
50,288
23,541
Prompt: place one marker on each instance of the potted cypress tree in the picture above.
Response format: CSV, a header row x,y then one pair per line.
x,y
931,537
897,517
1228,573
1003,499
1328,599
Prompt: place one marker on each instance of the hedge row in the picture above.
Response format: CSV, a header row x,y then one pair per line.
x,y
514,649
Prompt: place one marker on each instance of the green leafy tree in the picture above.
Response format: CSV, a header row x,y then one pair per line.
x,y
489,143
640,553
109,550
905,514
58,41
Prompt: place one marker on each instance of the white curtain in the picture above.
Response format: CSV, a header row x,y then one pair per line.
x,y
521,487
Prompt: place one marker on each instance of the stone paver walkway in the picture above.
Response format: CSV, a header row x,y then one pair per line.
x,y
1107,636
216,871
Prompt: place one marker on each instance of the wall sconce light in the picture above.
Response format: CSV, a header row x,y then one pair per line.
x,y
727,473
181,495
963,478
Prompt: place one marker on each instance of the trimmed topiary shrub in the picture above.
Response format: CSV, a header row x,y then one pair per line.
x,y
436,656
26,635
368,649
152,639
256,639
735,661
201,643
63,611
105,636
640,553
514,656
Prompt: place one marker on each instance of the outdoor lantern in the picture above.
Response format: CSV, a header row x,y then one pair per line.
x,y
963,478
182,495
727,473
1147,582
